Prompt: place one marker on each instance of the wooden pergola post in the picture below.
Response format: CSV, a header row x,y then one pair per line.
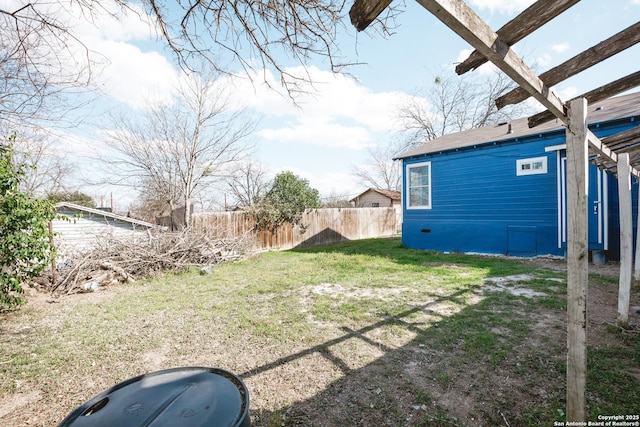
x,y
626,239
636,271
577,259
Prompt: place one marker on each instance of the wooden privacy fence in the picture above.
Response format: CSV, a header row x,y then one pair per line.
x,y
317,227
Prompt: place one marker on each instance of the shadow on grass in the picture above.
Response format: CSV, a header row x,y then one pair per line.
x,y
323,348
499,360
462,370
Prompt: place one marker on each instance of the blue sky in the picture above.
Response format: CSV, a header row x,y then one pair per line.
x,y
330,131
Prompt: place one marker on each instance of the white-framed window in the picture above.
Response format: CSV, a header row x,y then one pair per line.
x,y
532,166
418,184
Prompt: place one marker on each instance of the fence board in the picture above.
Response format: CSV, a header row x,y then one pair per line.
x,y
318,226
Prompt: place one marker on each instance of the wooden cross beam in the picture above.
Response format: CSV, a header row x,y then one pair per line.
x,y
598,145
459,17
584,60
624,141
532,18
364,12
593,96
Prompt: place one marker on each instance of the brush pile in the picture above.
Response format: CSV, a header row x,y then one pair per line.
x,y
117,260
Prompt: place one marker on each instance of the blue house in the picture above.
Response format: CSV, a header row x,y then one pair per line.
x,y
502,189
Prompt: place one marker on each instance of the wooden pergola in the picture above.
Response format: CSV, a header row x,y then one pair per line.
x,y
619,154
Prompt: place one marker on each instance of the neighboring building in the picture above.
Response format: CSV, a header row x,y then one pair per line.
x,y
82,227
502,189
376,198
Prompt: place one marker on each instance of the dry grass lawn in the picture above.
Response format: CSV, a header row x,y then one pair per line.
x,y
363,333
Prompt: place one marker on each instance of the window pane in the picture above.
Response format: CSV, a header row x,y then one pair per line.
x,y
419,176
418,182
419,196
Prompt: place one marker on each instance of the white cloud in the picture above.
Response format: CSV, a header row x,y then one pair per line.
x,y
341,97
566,93
112,22
107,37
502,6
334,111
135,77
543,61
561,47
328,135
338,183
262,92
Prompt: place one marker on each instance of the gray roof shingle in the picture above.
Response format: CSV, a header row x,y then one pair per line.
x,y
610,109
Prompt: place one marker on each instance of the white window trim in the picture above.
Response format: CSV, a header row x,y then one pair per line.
x,y
558,147
541,171
408,187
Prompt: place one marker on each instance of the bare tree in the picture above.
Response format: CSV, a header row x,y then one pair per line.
x,y
456,103
248,182
380,171
336,200
453,104
262,29
40,59
173,152
151,203
40,54
45,168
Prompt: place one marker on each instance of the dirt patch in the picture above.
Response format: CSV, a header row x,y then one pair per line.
x,y
505,284
336,290
14,402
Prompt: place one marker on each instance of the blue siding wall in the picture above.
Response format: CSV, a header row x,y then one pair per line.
x,y
479,204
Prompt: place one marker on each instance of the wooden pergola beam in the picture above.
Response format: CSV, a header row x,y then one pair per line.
x,y
624,140
597,145
364,12
610,161
459,17
633,150
584,60
603,92
532,18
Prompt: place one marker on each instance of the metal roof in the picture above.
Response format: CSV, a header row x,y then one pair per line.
x,y
106,214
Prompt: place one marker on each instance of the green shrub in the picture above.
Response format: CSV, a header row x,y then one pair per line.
x,y
25,248
288,197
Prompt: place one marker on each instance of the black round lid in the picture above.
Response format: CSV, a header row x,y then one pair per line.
x,y
178,397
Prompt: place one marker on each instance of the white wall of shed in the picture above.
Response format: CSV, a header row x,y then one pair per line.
x,y
81,234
